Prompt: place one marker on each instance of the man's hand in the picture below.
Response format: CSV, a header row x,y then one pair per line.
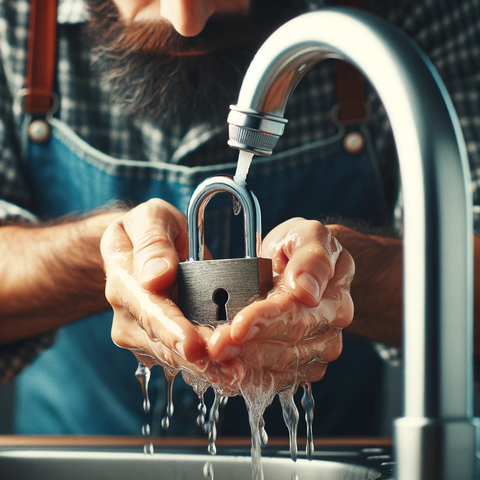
x,y
289,336
297,329
141,251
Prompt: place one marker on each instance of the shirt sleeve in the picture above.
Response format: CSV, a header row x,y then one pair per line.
x,y
16,356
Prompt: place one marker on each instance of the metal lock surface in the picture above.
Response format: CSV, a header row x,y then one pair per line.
x,y
213,291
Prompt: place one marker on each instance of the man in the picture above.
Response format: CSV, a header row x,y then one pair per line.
x,y
67,256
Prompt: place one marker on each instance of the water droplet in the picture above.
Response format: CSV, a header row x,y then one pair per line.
x,y
146,429
143,375
263,437
208,471
236,205
223,402
148,449
165,423
212,449
263,433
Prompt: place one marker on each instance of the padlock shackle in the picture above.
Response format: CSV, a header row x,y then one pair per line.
x,y
196,213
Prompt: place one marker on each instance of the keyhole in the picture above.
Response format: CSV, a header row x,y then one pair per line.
x,y
220,298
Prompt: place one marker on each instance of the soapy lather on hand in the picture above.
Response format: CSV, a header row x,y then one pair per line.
x,y
289,337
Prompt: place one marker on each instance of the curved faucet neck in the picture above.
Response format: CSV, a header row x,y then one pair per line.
x,y
438,249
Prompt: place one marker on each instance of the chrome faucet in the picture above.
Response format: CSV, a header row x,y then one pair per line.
x,y
435,439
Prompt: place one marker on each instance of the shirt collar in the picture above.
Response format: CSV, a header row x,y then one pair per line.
x,y
72,12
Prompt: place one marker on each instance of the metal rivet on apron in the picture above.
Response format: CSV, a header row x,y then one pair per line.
x,y
353,143
39,131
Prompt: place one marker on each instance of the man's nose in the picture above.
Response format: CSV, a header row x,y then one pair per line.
x,y
188,17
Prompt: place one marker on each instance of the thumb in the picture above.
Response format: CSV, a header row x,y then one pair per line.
x,y
158,235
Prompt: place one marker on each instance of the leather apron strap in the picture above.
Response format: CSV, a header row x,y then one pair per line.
x,y
350,83
42,46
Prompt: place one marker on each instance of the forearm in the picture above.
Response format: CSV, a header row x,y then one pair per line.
x,y
377,286
50,275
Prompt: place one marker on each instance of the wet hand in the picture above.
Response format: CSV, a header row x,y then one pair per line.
x,y
293,333
141,251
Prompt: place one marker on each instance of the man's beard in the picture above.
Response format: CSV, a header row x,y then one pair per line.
x,y
156,74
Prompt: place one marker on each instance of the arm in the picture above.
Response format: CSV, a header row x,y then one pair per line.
x,y
50,275
377,286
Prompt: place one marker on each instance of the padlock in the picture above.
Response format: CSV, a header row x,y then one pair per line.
x,y
212,292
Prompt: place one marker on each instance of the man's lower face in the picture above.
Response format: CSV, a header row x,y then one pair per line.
x,y
157,74
188,17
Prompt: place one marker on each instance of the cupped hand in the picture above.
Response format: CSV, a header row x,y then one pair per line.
x,y
291,335
141,251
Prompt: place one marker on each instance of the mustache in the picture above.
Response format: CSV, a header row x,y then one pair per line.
x,y
160,37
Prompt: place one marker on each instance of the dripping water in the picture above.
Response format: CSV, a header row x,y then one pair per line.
x,y
290,416
254,420
202,411
208,472
308,404
170,377
211,426
257,399
143,375
263,433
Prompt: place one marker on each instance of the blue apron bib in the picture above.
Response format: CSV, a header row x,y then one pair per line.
x,y
84,384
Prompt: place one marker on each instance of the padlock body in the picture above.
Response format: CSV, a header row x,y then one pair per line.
x,y
244,279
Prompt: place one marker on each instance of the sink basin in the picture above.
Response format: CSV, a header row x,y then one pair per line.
x,y
189,463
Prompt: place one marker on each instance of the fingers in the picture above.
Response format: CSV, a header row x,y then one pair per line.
x,y
154,236
293,356
337,304
305,252
155,315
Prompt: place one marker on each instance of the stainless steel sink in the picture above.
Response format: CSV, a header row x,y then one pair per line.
x,y
190,463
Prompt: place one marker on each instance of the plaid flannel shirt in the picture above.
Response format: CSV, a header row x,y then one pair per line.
x,y
447,30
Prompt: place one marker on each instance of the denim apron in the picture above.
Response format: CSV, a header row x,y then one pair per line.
x,y
84,384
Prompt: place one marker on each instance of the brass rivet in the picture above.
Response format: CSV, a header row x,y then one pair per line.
x,y
353,143
39,131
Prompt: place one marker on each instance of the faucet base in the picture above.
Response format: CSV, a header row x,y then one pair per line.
x,y
426,449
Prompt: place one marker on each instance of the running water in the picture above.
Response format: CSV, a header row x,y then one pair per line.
x,y
257,399
202,411
208,472
170,375
143,375
211,426
243,165
290,416
308,405
240,177
258,395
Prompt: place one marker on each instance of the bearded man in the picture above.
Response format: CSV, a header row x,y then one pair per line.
x,y
143,90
